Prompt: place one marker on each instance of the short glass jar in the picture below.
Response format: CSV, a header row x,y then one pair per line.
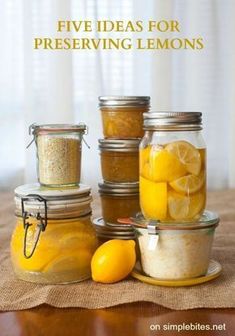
x,y
172,166
122,116
59,153
54,240
119,200
119,160
173,251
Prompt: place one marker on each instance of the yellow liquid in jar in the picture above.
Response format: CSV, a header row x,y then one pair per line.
x,y
172,181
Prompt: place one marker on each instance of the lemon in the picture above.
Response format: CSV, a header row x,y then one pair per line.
x,y
163,166
188,184
72,261
182,207
113,261
187,154
153,199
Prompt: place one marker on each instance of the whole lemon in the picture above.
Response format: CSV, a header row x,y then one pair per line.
x,y
113,261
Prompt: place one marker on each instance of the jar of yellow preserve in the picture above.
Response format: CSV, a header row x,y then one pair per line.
x,y
122,116
172,166
54,240
59,153
119,160
119,200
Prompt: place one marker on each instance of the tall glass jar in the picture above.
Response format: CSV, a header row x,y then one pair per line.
x,y
122,116
59,153
172,166
119,160
53,240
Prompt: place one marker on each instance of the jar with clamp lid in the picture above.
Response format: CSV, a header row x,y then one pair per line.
x,y
54,240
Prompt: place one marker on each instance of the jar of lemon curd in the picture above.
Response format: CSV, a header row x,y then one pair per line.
x,y
172,166
54,240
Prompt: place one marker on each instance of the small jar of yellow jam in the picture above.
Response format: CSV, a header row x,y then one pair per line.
x,y
54,240
122,116
119,160
172,166
119,200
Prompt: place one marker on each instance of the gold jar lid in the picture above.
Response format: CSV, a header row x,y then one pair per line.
x,y
117,145
114,101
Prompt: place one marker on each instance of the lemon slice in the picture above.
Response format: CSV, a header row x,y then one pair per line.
x,y
153,199
187,154
182,207
188,184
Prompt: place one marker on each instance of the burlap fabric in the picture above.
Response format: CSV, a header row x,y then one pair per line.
x,y
219,293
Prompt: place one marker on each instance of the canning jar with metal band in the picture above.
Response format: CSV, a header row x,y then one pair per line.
x,y
119,160
176,250
172,166
54,240
59,153
119,200
122,116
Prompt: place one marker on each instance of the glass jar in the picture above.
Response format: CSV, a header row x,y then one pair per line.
x,y
122,116
58,153
119,160
54,240
174,251
119,200
172,166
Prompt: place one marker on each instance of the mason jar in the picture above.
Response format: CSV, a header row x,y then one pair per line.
x,y
179,250
172,166
119,200
119,160
122,116
58,153
53,240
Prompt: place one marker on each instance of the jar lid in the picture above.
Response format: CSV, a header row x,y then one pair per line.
x,y
124,101
111,231
57,128
119,189
207,220
56,203
168,121
119,145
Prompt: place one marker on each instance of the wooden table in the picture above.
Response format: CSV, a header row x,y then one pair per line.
x,y
137,319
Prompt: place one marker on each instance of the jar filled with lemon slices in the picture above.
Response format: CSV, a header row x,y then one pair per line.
x,y
172,166
54,240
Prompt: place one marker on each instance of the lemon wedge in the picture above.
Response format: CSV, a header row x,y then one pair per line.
x,y
182,207
187,154
153,200
189,184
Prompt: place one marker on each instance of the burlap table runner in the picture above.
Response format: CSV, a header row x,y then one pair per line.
x,y
17,295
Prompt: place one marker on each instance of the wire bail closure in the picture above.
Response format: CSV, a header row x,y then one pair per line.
x,y
41,226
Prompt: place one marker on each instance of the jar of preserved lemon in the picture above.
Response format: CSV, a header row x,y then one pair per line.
x,y
122,116
119,160
119,200
54,240
59,153
172,166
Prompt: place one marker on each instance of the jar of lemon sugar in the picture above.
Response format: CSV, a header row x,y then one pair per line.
x,y
172,166
54,240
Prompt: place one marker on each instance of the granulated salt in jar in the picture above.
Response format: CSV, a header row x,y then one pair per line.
x,y
59,153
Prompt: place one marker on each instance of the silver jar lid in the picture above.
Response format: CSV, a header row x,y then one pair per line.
x,y
55,203
168,121
112,231
119,145
119,189
57,128
124,101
